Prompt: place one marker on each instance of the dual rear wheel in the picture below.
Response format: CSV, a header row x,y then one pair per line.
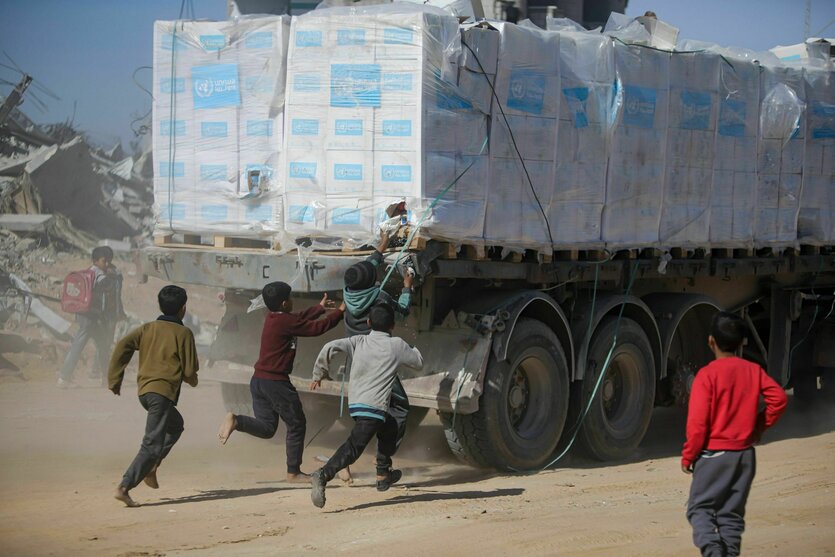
x,y
525,409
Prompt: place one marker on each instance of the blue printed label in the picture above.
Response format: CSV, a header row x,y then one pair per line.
x,y
166,128
216,86
260,39
396,173
639,106
304,126
446,99
355,85
214,129
347,127
822,120
350,37
172,42
397,128
398,36
397,81
576,97
347,171
695,110
732,118
303,170
176,85
259,128
172,170
262,213
307,83
173,211
345,215
213,172
214,212
526,91
213,42
308,38
301,214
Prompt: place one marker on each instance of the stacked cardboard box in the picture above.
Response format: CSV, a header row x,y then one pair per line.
x,y
694,112
374,115
635,184
780,167
587,68
735,160
523,138
816,222
218,125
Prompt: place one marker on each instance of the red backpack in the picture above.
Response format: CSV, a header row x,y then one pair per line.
x,y
77,291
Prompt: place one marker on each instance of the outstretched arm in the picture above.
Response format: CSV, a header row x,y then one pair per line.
x,y
322,364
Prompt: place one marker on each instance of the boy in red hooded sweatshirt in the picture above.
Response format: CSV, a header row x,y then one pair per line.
x,y
723,423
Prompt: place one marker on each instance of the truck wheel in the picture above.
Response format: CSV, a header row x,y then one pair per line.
x,y
236,398
523,408
620,412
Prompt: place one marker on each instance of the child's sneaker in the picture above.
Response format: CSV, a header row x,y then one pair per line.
x,y
317,490
392,477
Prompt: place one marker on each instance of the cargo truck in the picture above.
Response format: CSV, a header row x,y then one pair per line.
x,y
618,196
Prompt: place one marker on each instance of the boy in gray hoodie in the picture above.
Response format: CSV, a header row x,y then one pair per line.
x,y
376,357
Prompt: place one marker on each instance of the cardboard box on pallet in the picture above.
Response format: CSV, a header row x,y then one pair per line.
x,y
218,124
383,99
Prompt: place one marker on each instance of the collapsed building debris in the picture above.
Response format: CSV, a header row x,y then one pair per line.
x,y
55,170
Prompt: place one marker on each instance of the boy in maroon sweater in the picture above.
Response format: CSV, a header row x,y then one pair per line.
x,y
722,426
273,395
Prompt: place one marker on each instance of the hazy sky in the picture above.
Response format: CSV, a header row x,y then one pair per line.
x,y
86,51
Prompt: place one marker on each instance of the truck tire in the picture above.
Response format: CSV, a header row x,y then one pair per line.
x,y
523,408
620,412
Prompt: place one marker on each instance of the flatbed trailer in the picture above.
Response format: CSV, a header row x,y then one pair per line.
x,y
515,344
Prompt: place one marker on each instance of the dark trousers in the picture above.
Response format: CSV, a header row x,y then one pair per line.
x,y
398,408
101,332
162,429
361,434
716,508
271,401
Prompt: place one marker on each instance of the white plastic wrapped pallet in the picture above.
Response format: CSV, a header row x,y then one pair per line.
x,y
816,222
735,160
218,125
374,115
523,138
780,150
635,182
587,112
694,84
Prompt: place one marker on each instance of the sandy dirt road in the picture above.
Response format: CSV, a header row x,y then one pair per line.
x,y
63,451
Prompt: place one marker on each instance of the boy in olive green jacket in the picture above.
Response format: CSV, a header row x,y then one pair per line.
x,y
167,357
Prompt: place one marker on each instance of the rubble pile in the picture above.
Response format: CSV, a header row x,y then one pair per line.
x,y
92,193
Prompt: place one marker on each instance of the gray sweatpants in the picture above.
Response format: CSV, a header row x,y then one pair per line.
x,y
716,507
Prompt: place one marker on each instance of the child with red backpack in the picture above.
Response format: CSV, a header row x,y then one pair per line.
x,y
94,295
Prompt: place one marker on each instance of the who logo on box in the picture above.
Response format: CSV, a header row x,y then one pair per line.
x,y
215,86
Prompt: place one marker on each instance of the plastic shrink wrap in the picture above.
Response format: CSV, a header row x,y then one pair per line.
x,y
374,115
218,125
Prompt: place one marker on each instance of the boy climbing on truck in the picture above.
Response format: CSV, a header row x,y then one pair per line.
x,y
273,395
361,292
376,357
722,426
